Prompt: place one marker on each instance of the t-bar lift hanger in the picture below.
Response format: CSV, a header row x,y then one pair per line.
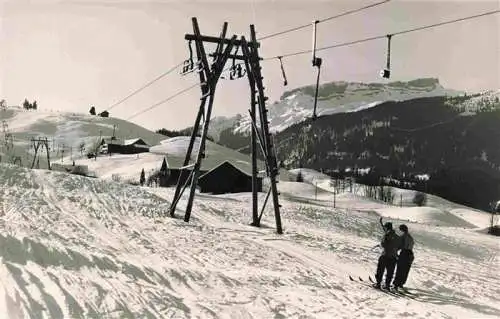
x,y
316,62
285,82
386,73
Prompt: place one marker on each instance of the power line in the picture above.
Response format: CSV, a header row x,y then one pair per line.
x,y
145,86
385,35
163,101
323,20
299,52
262,38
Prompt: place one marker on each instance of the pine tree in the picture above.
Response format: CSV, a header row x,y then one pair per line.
x,y
34,106
143,178
92,110
26,104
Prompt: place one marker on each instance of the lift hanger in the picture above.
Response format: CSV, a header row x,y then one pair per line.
x,y
285,82
386,73
316,62
188,64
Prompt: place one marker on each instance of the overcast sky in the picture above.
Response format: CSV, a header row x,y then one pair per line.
x,y
69,55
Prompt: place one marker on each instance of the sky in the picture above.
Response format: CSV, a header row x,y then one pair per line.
x,y
69,55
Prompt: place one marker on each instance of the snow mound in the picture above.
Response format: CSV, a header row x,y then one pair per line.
x,y
175,146
125,167
476,218
309,175
426,215
303,190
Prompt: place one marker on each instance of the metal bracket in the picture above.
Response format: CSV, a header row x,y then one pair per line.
x,y
188,65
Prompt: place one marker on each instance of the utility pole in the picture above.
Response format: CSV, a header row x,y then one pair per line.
x,y
209,75
98,145
334,198
315,190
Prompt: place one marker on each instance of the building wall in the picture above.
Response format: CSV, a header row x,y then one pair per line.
x,y
173,176
126,149
227,179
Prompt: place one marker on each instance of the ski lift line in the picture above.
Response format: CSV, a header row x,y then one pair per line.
x,y
385,35
323,20
163,101
145,86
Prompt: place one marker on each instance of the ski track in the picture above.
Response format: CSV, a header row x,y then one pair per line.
x,y
76,247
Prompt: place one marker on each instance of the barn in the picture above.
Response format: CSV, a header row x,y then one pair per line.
x,y
228,177
172,166
131,146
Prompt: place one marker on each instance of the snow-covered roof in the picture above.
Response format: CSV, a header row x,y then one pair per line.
x,y
133,141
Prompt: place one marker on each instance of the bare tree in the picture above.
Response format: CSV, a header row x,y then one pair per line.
x,y
81,147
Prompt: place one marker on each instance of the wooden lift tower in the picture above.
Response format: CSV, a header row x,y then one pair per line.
x,y
209,74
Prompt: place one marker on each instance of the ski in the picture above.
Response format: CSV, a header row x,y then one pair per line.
x,y
406,293
368,284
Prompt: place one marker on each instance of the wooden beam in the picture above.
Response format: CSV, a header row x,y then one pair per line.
x,y
235,57
210,39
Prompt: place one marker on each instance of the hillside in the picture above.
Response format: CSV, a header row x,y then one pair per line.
x,y
296,105
66,131
128,167
418,136
436,210
77,247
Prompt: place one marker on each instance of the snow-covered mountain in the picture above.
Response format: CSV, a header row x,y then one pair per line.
x,y
78,247
336,97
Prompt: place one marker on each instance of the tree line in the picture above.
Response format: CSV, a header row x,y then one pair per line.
x,y
27,105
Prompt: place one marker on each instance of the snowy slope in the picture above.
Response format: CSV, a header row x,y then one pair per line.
x,y
69,130
437,210
66,130
78,247
128,167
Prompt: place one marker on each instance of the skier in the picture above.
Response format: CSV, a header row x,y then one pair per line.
x,y
387,261
405,258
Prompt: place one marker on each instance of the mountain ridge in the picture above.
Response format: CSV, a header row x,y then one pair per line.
x,y
296,105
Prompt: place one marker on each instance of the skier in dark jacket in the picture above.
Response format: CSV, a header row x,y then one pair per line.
x,y
387,261
405,258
